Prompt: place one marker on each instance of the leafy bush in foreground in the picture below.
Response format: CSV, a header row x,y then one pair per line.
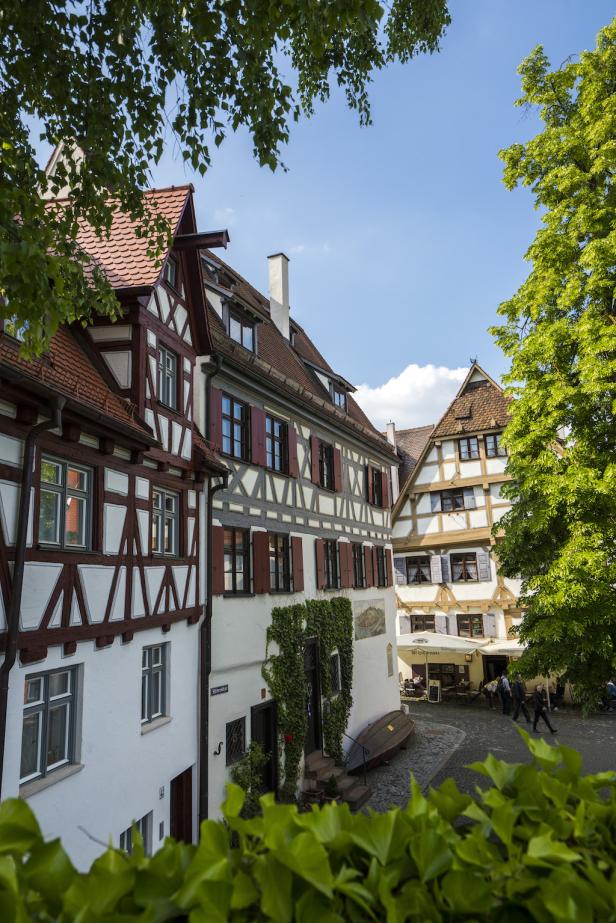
x,y
538,844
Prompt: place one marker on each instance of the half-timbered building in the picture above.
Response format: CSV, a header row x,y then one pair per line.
x,y
103,480
306,513
445,553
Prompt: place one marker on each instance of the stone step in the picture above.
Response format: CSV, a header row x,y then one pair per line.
x,y
315,764
357,796
323,775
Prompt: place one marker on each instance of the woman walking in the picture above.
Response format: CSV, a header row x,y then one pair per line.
x,y
540,708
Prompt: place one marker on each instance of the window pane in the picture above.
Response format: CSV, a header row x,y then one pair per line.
x,y
144,696
156,533
51,472
49,517
170,503
248,338
76,479
235,329
169,536
59,684
156,700
156,654
30,745
75,522
33,691
57,735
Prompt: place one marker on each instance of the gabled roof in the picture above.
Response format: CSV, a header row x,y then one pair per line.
x,y
123,256
66,370
410,444
282,363
480,405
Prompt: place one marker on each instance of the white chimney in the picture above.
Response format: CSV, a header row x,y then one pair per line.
x,y
391,433
278,273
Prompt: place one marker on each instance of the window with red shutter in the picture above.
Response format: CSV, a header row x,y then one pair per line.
x,y
297,556
390,567
319,548
346,565
337,470
218,560
369,484
368,566
257,434
260,558
315,444
385,489
292,449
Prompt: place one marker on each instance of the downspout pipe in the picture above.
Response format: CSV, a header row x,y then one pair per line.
x,y
14,607
205,659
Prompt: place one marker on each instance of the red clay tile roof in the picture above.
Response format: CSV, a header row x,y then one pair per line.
x,y
481,406
211,458
67,370
410,444
282,363
123,256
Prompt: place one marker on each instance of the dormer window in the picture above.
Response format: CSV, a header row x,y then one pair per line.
x,y
241,329
170,272
340,398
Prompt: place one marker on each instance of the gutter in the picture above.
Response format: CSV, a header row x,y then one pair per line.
x,y
14,607
205,631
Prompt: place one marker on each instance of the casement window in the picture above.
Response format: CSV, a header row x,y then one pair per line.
x,y
276,444
236,740
144,827
334,672
381,567
236,561
165,521
235,428
154,669
418,570
326,465
48,728
330,547
170,272
449,501
468,448
167,377
493,446
424,622
279,563
377,487
65,504
359,576
470,626
241,329
464,567
339,397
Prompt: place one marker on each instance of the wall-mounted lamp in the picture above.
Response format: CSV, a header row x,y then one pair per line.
x,y
468,658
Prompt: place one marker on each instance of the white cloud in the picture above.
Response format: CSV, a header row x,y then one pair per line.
x,y
419,395
225,216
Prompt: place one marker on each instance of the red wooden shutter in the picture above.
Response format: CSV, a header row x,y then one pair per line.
x,y
292,451
257,436
218,560
215,434
385,489
390,567
315,444
260,561
297,556
368,566
346,565
375,567
319,549
369,490
337,470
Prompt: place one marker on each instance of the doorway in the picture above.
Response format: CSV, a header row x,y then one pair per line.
x,y
313,696
181,821
263,731
493,667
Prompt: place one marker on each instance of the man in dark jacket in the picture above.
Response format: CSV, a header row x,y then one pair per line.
x,y
518,692
540,708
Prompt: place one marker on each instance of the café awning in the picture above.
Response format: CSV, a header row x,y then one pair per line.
x,y
510,647
431,642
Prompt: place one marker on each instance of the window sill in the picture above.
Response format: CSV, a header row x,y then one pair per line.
x,y
229,594
154,725
38,785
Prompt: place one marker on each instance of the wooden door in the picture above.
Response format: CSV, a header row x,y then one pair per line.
x,y
264,732
181,825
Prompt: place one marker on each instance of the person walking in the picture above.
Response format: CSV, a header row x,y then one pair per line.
x,y
518,693
505,693
540,708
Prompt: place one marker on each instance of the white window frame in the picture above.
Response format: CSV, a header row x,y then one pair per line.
x,y
42,707
63,494
167,377
161,516
144,826
154,662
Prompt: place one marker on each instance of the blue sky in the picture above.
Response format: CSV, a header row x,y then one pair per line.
x,y
402,238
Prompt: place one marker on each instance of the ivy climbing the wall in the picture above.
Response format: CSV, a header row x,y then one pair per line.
x,y
331,622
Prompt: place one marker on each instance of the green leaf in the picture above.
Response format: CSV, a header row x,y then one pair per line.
x,y
19,831
544,851
275,882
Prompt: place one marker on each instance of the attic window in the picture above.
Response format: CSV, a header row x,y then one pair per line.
x,y
170,272
339,397
240,328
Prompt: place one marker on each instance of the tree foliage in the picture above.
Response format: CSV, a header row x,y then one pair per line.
x,y
537,844
560,333
118,78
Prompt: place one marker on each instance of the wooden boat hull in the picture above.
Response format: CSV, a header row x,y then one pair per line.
x,y
382,739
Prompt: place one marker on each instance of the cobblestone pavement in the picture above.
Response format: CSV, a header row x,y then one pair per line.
x,y
449,737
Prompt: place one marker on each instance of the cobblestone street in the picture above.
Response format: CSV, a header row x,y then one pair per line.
x,y
449,737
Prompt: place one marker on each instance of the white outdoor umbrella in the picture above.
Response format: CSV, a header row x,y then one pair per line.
x,y
511,647
432,642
